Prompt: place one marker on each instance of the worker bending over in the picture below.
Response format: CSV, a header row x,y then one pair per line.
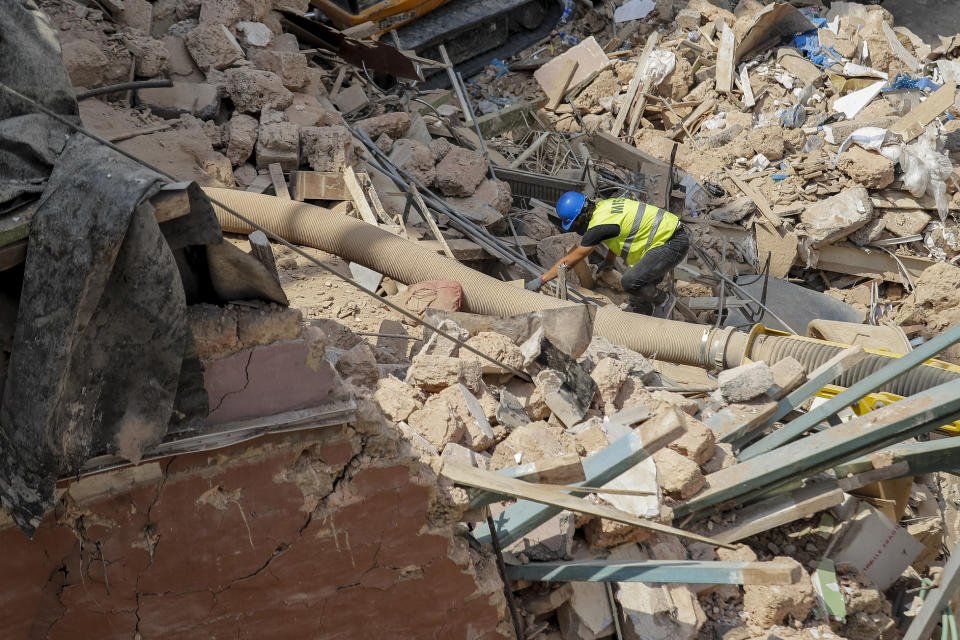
x,y
649,239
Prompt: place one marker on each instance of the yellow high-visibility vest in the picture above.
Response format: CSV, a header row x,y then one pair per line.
x,y
638,232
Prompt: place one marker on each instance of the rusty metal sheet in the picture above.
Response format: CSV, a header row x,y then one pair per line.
x,y
377,56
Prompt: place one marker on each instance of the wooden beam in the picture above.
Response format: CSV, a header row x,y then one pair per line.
x,y
897,366
562,469
602,467
818,379
318,185
732,423
636,106
725,61
425,212
780,510
172,201
356,194
560,90
936,601
911,416
762,204
877,264
692,117
495,483
279,182
912,125
772,572
260,249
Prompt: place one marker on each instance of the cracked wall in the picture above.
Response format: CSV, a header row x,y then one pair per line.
x,y
325,533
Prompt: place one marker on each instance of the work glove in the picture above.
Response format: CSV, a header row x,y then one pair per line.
x,y
606,265
534,285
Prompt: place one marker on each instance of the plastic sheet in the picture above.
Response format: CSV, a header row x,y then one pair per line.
x,y
905,81
925,170
809,43
661,64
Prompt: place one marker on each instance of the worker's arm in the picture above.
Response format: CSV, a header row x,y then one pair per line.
x,y
572,258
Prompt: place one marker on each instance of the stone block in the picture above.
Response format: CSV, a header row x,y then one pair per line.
x,y
278,142
745,382
533,442
397,399
241,138
306,111
679,476
196,98
438,422
496,346
697,441
212,46
836,217
609,374
395,124
329,148
436,373
230,12
290,66
252,89
461,172
868,168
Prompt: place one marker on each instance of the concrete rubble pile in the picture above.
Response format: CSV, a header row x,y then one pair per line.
x,y
814,146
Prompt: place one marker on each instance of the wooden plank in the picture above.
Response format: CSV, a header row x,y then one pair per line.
x,y
279,182
425,212
495,483
912,125
559,90
725,61
618,152
779,572
762,204
903,200
635,107
318,185
356,194
564,469
877,264
602,467
704,107
375,201
852,394
764,473
780,510
632,89
466,250
936,601
748,100
818,379
259,184
732,423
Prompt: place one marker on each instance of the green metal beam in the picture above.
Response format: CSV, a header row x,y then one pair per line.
x,y
897,366
676,571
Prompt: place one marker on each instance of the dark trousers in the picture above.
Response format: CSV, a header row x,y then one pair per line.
x,y
641,280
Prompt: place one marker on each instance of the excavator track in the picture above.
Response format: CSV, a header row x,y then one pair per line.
x,y
477,31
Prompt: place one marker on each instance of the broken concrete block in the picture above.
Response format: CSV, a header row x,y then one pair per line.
x,y
136,14
358,366
212,46
498,347
230,12
329,148
290,66
609,374
677,475
870,232
397,399
253,34
439,147
688,19
697,441
769,605
496,194
530,397
586,616
416,159
436,373
252,89
150,56
278,143
905,222
930,533
438,422
788,374
551,541
721,459
868,168
600,348
478,434
196,98
460,454
305,111
533,442
562,401
384,143
241,138
735,211
394,124
830,220
745,382
350,99
590,58
539,603
440,345
460,172
510,412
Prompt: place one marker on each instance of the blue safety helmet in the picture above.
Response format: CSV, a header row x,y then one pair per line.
x,y
569,207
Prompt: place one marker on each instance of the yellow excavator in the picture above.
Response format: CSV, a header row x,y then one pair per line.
x,y
473,31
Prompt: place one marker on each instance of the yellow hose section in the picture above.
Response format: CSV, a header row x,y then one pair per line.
x,y
409,263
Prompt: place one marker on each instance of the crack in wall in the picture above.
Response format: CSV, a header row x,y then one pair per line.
x,y
152,540
246,383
